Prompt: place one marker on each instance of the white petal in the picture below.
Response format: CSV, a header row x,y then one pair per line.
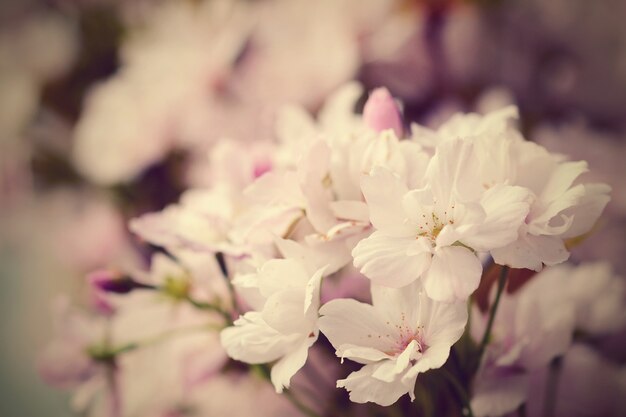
x,y
443,323
453,275
360,354
390,370
506,208
497,395
434,357
312,292
364,388
316,254
283,312
312,170
279,274
588,209
454,171
251,340
349,322
400,306
531,251
350,210
286,367
390,261
542,217
416,163
561,179
384,192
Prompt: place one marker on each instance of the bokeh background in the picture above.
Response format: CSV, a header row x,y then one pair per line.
x,y
108,108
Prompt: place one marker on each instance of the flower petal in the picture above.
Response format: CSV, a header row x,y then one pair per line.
x,y
286,367
349,322
391,261
363,387
453,275
384,192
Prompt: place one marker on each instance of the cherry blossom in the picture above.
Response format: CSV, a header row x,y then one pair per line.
x,y
286,327
433,232
402,334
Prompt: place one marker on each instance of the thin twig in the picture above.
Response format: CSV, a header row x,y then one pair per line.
x,y
210,307
460,391
549,404
492,315
221,261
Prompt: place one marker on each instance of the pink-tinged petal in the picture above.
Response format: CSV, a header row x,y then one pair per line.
x,y
562,179
389,371
261,167
454,172
286,367
360,354
276,188
454,274
350,210
496,395
261,226
384,193
333,254
400,305
391,261
352,323
418,206
283,312
542,217
472,124
312,292
251,340
416,163
277,275
312,170
364,388
381,112
532,252
64,364
443,323
545,330
588,209
505,208
434,357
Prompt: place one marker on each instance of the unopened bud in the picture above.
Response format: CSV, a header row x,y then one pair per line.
x,y
381,112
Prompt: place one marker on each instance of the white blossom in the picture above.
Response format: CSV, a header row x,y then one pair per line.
x,y
286,326
402,334
432,232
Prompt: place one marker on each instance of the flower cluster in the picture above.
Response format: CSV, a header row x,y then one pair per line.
x,y
372,233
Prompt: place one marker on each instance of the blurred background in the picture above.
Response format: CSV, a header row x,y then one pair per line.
x,y
108,109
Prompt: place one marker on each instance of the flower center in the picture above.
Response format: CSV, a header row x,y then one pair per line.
x,y
407,336
433,225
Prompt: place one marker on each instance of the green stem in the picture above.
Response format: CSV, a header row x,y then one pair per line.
x,y
549,404
460,391
492,315
107,353
201,305
221,261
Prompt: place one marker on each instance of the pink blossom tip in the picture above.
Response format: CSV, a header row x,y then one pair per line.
x,y
381,112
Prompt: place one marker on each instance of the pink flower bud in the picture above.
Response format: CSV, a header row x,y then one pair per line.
x,y
381,112
261,167
114,282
